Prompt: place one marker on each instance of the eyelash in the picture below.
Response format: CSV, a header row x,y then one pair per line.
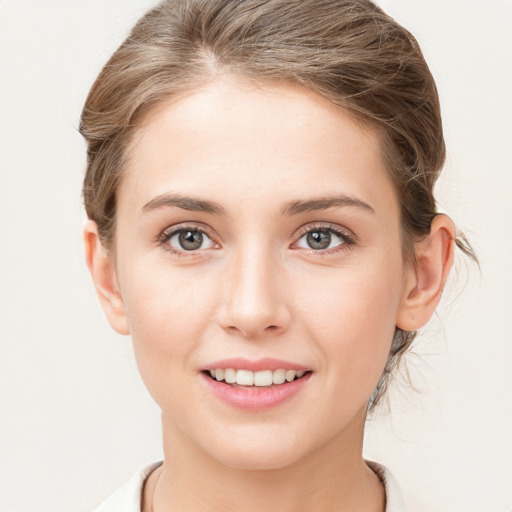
x,y
166,235
348,238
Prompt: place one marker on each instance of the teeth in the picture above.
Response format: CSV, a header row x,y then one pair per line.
x,y
245,378
230,375
279,376
261,379
290,375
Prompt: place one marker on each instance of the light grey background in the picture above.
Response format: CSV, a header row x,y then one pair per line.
x,y
75,419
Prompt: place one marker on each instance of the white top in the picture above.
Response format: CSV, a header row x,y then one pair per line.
x,y
128,497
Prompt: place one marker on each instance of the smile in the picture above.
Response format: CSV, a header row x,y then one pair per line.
x,y
258,389
247,378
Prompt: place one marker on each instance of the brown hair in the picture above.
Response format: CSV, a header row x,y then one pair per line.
x,y
350,52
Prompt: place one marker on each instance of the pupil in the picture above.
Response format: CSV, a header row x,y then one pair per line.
x,y
191,240
319,239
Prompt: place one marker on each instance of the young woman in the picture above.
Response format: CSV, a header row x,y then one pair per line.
x,y
262,223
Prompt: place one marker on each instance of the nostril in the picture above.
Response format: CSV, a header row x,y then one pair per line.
x,y
235,330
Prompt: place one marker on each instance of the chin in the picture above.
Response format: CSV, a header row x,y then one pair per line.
x,y
258,459
259,449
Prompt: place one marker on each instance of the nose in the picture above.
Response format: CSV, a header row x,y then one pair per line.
x,y
253,292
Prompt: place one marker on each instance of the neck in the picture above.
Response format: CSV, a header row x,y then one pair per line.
x,y
334,478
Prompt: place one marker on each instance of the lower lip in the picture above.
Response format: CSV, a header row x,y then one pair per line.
x,y
255,398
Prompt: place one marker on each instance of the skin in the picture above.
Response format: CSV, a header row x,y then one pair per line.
x,y
259,290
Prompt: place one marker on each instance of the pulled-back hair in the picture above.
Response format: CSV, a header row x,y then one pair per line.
x,y
348,51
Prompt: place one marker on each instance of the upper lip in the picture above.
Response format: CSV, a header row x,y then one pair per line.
x,y
266,363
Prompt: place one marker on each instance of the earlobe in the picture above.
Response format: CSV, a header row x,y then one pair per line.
x,y
425,281
103,275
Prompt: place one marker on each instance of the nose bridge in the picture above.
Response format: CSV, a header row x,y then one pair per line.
x,y
253,299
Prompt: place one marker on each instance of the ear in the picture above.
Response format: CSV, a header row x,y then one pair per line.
x,y
425,281
103,274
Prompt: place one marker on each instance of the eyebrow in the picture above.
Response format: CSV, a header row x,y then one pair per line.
x,y
290,208
323,203
185,203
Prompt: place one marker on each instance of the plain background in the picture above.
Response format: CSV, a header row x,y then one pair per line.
x,y
75,419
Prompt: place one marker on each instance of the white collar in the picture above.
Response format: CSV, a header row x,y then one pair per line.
x,y
128,498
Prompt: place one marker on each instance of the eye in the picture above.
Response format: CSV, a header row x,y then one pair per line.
x,y
322,239
189,240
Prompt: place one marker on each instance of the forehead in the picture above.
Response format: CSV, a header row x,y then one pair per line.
x,y
230,141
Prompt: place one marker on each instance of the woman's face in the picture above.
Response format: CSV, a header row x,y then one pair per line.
x,y
258,230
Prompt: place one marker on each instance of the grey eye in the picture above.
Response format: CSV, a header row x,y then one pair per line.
x,y
320,239
190,240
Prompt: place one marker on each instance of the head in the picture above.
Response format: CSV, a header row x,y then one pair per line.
x,y
347,65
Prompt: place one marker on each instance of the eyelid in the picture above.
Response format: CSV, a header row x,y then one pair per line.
x,y
349,237
336,228
165,235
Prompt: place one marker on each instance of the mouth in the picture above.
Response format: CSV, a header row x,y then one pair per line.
x,y
255,385
263,379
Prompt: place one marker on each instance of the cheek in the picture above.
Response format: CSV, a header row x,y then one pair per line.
x,y
167,312
352,316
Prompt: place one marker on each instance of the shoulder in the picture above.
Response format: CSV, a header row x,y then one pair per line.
x,y
128,497
395,500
